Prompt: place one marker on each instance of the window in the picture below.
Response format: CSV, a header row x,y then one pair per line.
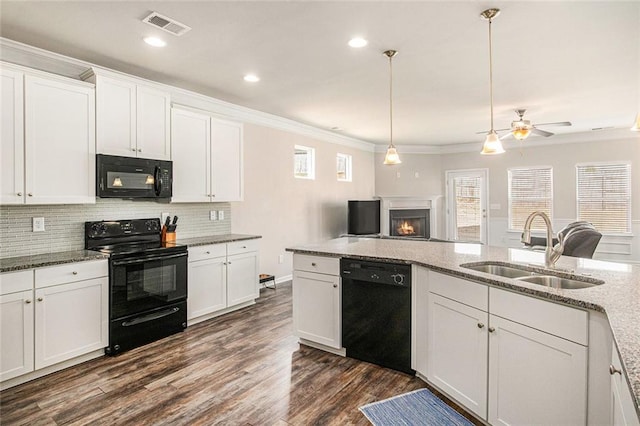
x,y
344,167
304,162
530,190
604,196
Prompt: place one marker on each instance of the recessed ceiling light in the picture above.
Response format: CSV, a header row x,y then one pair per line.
x,y
252,78
358,42
155,42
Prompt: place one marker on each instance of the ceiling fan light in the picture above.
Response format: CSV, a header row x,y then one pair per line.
x,y
636,125
392,156
521,133
492,144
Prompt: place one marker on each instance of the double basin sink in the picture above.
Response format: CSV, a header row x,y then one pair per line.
x,y
532,275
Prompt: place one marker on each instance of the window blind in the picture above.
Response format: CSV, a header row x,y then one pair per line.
x,y
604,196
530,190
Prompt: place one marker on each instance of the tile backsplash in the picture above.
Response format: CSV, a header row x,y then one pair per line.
x,y
64,224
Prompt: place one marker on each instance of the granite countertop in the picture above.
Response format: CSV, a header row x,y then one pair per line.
x,y
215,239
618,298
9,264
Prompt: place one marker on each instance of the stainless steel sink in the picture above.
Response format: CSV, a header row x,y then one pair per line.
x,y
558,282
534,275
503,271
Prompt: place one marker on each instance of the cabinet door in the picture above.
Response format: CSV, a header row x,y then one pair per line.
x,y
70,320
242,278
623,412
317,308
535,377
116,117
153,115
207,287
190,151
16,334
226,161
12,138
457,352
59,142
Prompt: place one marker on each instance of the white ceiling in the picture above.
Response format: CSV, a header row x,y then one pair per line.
x,y
561,60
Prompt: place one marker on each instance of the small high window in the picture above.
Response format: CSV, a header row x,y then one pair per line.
x,y
343,166
304,162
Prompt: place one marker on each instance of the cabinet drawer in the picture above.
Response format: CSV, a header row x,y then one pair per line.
x,y
319,264
463,291
13,282
562,321
244,246
71,272
207,252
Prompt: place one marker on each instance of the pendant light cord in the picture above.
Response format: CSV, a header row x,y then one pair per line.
x,y
390,102
491,76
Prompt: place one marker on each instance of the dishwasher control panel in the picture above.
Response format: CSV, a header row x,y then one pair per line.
x,y
376,272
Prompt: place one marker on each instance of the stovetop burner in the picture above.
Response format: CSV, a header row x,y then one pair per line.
x,y
128,237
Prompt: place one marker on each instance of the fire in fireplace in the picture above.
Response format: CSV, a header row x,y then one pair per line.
x,y
412,223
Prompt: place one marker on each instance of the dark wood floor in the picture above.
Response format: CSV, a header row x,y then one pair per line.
x,y
245,368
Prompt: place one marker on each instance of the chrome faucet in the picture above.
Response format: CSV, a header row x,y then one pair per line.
x,y
552,253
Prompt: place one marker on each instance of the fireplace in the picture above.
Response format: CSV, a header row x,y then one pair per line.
x,y
410,223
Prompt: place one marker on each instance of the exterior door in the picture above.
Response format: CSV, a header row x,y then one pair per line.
x,y
467,205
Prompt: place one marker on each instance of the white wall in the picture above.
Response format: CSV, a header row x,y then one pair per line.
x,y
288,211
561,156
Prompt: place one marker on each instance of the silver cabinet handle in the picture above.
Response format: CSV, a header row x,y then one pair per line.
x,y
313,264
491,329
133,149
335,286
139,149
228,263
19,194
207,252
27,301
75,272
40,299
243,247
30,194
480,325
613,370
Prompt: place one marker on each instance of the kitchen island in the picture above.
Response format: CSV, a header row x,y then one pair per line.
x,y
618,299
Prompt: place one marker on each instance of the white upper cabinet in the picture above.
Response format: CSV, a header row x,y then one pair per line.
x,y
12,138
59,142
226,161
191,147
207,158
133,119
48,138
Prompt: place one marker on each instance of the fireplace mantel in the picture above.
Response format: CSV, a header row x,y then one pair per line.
x,y
400,203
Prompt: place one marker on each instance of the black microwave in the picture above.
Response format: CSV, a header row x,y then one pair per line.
x,y
127,177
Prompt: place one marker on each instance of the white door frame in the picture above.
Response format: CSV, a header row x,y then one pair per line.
x,y
484,200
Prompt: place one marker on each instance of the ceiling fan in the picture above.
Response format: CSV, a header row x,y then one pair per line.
x,y
521,128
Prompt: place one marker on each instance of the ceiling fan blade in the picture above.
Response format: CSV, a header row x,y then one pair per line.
x,y
541,132
506,136
559,123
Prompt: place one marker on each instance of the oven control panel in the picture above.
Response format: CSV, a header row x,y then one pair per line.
x,y
119,228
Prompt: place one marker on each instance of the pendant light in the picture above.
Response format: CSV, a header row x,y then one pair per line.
x,y
392,155
492,144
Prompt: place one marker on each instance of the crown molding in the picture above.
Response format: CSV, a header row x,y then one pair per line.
x,y
33,57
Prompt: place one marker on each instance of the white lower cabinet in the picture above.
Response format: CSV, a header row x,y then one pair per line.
x,y
623,412
221,276
317,296
52,315
509,359
457,359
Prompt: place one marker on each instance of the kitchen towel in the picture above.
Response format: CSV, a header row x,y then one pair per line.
x,y
420,407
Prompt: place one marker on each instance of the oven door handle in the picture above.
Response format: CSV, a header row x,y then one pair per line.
x,y
146,259
150,317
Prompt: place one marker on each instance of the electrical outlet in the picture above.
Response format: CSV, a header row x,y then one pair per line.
x,y
213,215
164,217
38,224
397,174
281,258
220,214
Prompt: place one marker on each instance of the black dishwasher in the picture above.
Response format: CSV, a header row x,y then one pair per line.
x,y
376,312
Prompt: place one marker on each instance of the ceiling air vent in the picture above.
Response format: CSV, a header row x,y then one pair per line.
x,y
167,24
